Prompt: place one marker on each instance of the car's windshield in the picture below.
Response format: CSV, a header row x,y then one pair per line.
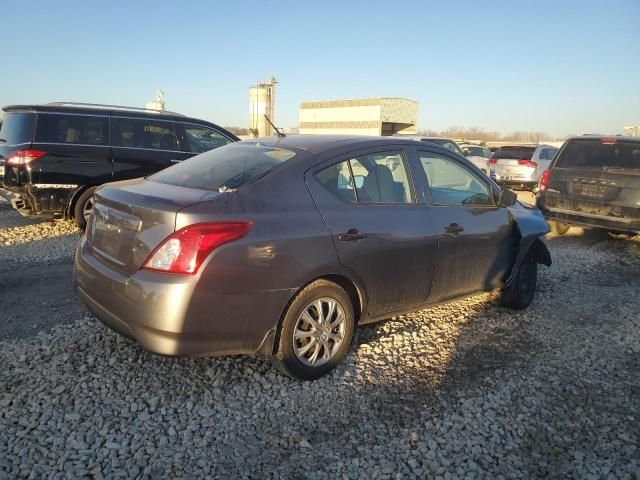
x,y
600,153
224,168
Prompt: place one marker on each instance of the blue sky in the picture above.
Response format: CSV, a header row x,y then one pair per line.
x,y
557,66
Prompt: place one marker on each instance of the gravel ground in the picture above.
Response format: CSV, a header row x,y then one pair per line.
x,y
466,390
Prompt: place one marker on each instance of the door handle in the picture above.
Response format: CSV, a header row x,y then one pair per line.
x,y
176,160
453,229
352,235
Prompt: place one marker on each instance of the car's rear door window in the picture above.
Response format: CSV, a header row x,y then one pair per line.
x,y
381,178
72,129
453,184
338,181
17,128
200,139
225,168
143,133
372,178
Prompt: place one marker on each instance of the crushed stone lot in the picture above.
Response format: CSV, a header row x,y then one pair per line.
x,y
466,390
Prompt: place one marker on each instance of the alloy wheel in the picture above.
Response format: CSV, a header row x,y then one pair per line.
x,y
319,332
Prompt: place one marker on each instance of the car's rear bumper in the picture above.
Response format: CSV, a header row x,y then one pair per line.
x,y
175,315
41,198
582,219
524,176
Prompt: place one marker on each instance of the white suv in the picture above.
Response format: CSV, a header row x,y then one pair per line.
x,y
521,165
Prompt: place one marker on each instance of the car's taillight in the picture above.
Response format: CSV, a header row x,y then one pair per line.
x,y
544,181
527,163
493,161
23,157
185,250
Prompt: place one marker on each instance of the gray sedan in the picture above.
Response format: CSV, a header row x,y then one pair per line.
x,y
281,246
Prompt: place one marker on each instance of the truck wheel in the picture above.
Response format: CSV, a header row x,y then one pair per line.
x,y
83,208
520,293
316,331
559,228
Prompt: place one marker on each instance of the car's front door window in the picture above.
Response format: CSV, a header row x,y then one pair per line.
x,y
200,139
453,184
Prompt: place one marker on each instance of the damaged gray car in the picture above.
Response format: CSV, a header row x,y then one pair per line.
x,y
280,247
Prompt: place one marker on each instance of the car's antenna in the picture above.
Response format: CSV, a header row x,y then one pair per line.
x,y
280,134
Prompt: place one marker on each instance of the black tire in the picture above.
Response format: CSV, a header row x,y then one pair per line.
x,y
521,292
84,201
559,228
286,359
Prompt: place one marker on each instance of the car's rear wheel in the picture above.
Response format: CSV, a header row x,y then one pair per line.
x,y
83,208
521,291
559,228
316,331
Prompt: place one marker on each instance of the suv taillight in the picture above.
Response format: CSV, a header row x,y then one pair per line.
x,y
23,157
185,250
544,181
527,163
493,161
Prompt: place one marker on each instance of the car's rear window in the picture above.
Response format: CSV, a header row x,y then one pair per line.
x,y
514,153
225,168
600,153
17,128
446,143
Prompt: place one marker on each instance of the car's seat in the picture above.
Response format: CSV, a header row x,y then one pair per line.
x,y
379,185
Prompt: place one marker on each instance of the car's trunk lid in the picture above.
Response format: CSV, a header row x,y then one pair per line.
x,y
133,217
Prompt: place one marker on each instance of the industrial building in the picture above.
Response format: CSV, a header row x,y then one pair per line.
x,y
360,116
262,104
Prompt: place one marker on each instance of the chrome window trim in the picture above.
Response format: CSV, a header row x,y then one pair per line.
x,y
72,144
143,118
74,114
151,149
14,144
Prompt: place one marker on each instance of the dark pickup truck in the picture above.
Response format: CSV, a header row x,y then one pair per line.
x,y
593,182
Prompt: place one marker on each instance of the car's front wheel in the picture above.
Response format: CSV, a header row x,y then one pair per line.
x,y
316,331
83,208
520,293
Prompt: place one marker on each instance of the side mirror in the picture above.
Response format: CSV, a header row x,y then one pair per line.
x,y
507,198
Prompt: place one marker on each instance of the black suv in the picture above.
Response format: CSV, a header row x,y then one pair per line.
x,y
594,181
55,155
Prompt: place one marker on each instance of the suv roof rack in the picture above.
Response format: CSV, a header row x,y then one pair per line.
x,y
115,107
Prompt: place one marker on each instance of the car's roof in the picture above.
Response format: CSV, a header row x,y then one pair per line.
x,y
527,145
322,143
100,109
115,110
624,138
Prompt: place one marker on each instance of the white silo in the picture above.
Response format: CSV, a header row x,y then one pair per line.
x,y
158,102
262,102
